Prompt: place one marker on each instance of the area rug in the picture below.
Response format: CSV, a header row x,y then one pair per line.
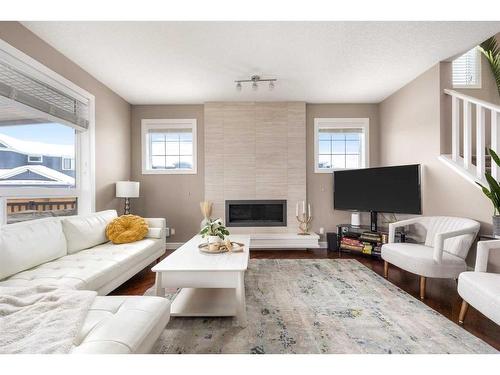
x,y
321,306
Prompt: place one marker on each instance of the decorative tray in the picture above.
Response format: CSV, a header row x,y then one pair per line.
x,y
223,247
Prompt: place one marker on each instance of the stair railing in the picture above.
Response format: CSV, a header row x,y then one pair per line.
x,y
482,108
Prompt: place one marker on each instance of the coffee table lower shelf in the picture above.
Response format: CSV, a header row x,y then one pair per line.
x,y
204,302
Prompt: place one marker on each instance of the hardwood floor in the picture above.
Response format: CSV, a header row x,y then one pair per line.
x,y
441,294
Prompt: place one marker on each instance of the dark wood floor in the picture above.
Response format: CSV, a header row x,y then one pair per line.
x,y
442,294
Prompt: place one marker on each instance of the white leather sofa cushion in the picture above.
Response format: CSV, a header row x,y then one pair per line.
x,y
154,233
88,269
26,245
122,325
86,231
481,290
419,259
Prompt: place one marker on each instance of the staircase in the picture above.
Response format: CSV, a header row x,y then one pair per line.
x,y
472,166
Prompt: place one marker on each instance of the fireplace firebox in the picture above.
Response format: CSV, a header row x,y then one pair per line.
x,y
256,213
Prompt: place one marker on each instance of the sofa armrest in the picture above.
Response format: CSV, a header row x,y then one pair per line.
x,y
483,252
402,223
158,223
441,237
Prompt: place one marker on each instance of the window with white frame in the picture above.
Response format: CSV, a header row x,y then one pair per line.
x,y
466,70
169,146
340,143
35,159
47,141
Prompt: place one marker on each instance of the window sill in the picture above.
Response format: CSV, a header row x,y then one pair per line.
x,y
167,171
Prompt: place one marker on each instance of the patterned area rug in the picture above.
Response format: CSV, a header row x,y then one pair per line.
x,y
321,306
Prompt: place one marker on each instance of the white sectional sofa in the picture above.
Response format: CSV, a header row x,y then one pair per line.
x,y
73,252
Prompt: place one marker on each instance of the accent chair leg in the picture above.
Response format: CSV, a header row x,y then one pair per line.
x,y
463,310
386,269
158,260
422,287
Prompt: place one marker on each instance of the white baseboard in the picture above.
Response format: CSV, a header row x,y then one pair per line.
x,y
174,245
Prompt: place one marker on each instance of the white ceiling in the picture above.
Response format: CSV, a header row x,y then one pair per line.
x,y
196,62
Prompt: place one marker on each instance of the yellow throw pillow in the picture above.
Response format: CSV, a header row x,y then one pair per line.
x,y
127,228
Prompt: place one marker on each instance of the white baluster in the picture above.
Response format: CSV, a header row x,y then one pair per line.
x,y
455,128
480,142
495,142
467,134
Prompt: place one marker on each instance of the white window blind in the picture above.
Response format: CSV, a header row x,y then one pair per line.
x,y
467,69
19,88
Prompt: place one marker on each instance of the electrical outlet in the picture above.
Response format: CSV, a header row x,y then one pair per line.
x,y
172,231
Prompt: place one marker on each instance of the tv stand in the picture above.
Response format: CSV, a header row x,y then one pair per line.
x,y
373,221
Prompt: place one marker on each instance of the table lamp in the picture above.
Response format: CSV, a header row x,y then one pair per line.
x,y
127,190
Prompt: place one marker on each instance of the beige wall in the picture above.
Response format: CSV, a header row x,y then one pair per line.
x,y
410,127
112,112
175,197
320,185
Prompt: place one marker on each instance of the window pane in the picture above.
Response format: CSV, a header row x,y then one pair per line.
x,y
352,136
157,137
172,137
338,136
29,209
158,162
172,148
172,162
186,137
33,155
338,161
353,161
158,148
324,161
323,136
352,147
186,162
186,148
338,147
325,147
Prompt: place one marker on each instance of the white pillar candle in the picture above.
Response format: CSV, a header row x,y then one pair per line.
x,y
303,207
309,209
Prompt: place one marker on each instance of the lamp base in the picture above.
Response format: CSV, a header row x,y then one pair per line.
x,y
127,206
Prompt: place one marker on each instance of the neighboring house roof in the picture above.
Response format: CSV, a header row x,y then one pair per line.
x,y
36,148
53,177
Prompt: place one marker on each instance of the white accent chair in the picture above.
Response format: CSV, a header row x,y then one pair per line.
x,y
447,243
480,288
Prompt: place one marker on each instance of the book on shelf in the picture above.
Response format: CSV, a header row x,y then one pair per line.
x,y
351,247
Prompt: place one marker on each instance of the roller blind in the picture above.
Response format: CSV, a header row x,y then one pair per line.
x,y
19,87
466,69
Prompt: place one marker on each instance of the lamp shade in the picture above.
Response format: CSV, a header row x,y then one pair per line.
x,y
127,189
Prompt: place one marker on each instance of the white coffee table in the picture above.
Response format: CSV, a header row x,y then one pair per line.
x,y
211,284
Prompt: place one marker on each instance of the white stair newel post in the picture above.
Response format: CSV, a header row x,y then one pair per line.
x,y
467,134
480,142
455,128
495,142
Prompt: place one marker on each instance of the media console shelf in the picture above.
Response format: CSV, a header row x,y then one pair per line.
x,y
361,240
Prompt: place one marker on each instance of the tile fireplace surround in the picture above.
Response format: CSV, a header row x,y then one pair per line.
x,y
256,151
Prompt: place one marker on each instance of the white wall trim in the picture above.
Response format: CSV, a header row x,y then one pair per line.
x,y
173,245
336,123
148,124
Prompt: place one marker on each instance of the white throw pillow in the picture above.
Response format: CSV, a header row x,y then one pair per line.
x,y
29,244
84,232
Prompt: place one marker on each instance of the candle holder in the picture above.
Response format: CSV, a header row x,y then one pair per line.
x,y
304,223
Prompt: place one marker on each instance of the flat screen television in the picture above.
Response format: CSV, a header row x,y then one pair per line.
x,y
385,189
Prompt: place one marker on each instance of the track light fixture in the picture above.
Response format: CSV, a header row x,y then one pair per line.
x,y
255,79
